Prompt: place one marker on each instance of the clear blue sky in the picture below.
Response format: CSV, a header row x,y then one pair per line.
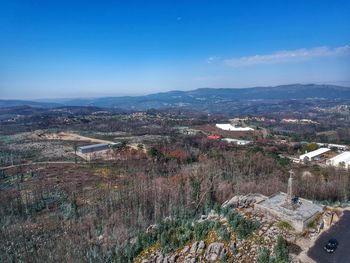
x,y
96,48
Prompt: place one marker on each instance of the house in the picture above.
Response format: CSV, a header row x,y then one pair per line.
x,y
314,155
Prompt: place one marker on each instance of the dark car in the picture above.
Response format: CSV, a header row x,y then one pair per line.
x,y
331,246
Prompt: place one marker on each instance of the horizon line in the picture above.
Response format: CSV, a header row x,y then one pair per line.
x,y
48,99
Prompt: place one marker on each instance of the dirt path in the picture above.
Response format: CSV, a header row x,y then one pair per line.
x,y
68,136
306,244
36,163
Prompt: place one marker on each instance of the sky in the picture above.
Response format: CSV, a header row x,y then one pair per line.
x,y
62,49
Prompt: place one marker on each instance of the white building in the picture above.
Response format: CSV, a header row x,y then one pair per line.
x,y
341,160
230,127
332,145
314,154
236,141
96,147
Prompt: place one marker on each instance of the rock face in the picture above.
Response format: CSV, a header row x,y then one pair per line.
x,y
160,258
214,251
194,248
242,201
237,250
201,247
185,250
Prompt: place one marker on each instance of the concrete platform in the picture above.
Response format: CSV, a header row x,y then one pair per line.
x,y
298,215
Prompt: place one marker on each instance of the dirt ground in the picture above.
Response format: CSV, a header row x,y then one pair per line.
x,y
100,155
42,145
68,136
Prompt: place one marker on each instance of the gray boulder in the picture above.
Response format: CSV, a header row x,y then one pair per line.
x,y
213,251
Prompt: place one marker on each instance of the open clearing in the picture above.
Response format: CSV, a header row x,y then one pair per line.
x,y
68,136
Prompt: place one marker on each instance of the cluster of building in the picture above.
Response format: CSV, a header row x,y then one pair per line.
x,y
187,131
230,127
299,121
339,160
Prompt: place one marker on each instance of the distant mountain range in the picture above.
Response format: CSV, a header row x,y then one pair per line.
x,y
206,99
34,104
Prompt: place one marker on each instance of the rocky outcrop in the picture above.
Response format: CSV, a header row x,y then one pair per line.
x,y
215,249
201,247
160,258
214,252
243,201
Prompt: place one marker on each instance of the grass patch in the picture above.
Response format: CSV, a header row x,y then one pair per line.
x,y
242,226
284,225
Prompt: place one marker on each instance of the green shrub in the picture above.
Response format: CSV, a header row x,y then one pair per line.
x,y
175,233
224,258
223,233
201,230
243,227
264,255
284,225
281,251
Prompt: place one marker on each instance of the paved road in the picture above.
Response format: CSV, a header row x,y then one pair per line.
x,y
340,231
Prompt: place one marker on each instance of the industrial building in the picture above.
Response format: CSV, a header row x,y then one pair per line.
x,y
236,141
340,147
94,148
314,155
229,127
341,160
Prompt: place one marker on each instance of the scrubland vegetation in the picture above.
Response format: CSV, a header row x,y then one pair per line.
x,y
100,211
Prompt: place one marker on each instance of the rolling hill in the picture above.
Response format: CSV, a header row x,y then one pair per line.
x,y
205,99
